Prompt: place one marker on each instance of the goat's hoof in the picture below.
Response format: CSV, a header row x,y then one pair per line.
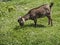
x,y
35,25
51,24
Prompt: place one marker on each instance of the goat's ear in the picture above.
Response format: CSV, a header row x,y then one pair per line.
x,y
23,19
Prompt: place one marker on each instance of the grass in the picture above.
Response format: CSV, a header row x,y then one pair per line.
x,y
12,34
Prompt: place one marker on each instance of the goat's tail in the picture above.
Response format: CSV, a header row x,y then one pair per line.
x,y
51,4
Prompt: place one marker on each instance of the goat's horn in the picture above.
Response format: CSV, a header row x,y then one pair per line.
x,y
20,17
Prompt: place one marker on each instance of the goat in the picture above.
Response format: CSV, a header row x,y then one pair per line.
x,y
33,14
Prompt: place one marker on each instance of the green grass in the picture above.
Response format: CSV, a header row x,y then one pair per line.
x,y
12,34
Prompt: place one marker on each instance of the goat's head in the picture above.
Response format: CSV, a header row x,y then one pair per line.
x,y
21,21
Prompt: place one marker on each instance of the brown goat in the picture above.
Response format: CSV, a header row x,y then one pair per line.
x,y
33,14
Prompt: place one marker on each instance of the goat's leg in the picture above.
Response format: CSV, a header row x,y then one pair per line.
x,y
51,23
35,22
50,20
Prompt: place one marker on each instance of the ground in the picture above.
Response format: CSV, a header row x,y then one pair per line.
x,y
12,34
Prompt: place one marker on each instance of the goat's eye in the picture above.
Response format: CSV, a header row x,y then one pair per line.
x,y
18,20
